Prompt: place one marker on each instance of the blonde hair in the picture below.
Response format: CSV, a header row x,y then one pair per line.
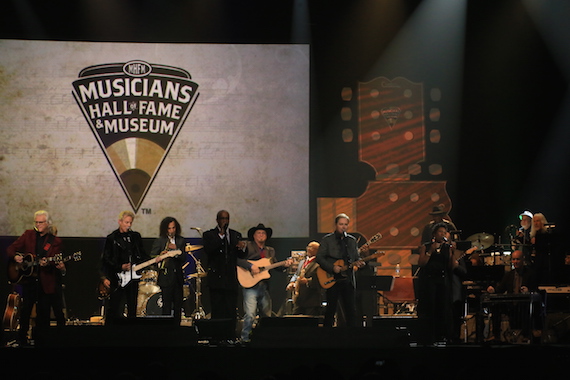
x,y
44,213
126,213
533,230
340,216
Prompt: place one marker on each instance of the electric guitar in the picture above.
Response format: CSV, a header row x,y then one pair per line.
x,y
127,275
29,265
327,280
248,279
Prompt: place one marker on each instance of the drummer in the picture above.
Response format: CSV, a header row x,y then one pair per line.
x,y
170,270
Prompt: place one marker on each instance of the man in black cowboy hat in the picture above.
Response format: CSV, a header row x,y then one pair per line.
x,y
438,214
256,295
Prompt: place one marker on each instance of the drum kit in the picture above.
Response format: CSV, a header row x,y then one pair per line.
x,y
148,288
198,312
149,299
488,252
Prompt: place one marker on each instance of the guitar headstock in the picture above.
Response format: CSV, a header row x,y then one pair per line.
x,y
375,238
172,253
76,256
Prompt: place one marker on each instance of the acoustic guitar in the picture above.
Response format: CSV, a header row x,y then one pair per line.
x,y
248,279
29,265
327,280
12,312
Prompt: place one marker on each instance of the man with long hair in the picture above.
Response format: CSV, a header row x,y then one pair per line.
x,y
170,271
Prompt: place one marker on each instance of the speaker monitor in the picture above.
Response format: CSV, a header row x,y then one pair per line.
x,y
216,329
328,337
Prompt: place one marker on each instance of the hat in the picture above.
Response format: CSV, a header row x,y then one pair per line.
x,y
438,210
260,226
527,213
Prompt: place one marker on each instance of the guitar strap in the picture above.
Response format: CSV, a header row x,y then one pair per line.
x,y
344,249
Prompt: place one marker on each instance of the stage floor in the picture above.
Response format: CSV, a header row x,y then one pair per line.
x,y
164,352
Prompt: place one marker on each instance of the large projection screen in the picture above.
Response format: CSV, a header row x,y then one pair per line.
x,y
90,129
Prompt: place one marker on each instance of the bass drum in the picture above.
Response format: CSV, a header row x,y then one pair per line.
x,y
149,277
153,305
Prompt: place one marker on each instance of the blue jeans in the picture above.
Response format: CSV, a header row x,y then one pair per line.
x,y
254,298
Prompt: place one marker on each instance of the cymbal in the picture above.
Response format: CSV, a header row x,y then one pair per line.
x,y
192,248
194,275
482,240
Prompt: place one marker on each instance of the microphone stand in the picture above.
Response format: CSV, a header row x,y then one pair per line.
x,y
198,312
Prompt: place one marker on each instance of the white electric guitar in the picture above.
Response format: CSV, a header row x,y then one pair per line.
x,y
127,275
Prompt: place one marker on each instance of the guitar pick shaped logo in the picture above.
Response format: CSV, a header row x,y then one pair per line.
x,y
391,115
135,110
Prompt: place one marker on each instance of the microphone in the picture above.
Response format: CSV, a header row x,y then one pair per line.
x,y
445,239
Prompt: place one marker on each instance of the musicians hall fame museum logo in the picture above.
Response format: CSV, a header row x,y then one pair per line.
x,y
135,110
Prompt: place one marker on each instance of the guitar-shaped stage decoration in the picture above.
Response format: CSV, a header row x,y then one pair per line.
x,y
248,279
127,275
29,265
327,279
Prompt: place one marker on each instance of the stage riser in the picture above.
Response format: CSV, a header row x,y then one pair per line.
x,y
321,337
142,334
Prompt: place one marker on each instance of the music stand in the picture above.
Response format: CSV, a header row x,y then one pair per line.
x,y
376,283
401,292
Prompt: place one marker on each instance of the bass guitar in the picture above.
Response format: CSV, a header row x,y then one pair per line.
x,y
327,280
248,279
127,275
29,265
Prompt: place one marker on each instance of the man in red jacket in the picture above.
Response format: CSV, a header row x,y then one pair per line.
x,y
34,252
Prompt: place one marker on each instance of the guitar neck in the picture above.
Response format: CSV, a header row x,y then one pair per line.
x,y
145,264
142,265
368,258
280,263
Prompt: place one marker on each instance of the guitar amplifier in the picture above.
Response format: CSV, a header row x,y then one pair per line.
x,y
557,298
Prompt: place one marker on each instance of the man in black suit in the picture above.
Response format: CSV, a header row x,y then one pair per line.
x,y
222,247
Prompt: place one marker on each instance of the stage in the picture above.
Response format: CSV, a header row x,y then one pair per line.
x,y
158,351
